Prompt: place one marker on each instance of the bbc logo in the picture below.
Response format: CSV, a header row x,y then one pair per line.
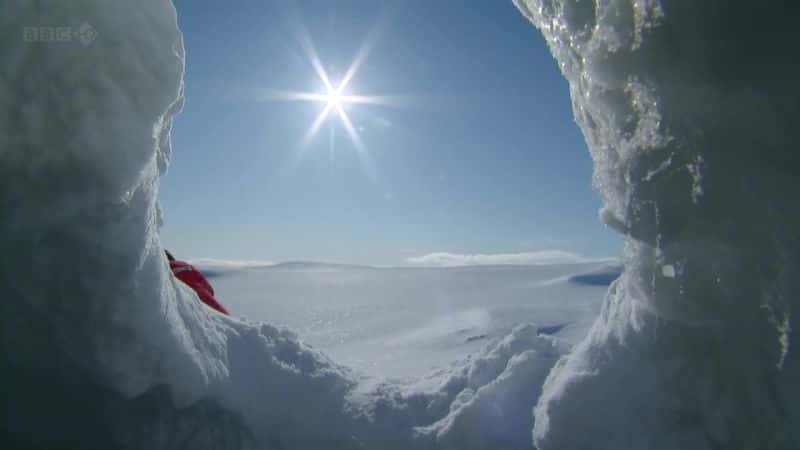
x,y
85,34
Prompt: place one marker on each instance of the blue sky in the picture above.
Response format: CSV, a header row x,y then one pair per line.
x,y
478,154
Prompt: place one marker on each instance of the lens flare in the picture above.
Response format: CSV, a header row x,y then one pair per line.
x,y
334,98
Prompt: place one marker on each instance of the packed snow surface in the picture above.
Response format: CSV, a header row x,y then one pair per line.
x,y
400,323
689,110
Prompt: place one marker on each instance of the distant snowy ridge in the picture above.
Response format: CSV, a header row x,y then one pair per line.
x,y
221,267
433,260
602,276
230,263
246,264
543,257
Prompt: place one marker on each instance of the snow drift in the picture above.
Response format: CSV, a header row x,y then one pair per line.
x,y
690,111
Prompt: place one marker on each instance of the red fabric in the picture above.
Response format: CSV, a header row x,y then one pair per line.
x,y
195,280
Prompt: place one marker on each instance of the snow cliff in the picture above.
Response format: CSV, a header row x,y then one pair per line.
x,y
689,110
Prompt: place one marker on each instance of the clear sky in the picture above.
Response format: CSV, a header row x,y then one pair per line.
x,y
476,152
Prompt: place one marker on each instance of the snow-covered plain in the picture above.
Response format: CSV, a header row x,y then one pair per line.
x,y
689,110
402,323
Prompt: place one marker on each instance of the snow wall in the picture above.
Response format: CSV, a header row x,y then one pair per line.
x,y
688,110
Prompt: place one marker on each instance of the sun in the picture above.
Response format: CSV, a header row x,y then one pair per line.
x,y
334,99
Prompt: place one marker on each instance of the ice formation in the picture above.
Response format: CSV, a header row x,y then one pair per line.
x,y
690,111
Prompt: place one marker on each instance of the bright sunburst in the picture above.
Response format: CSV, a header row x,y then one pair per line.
x,y
335,98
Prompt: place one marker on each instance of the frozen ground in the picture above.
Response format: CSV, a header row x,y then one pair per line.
x,y
405,322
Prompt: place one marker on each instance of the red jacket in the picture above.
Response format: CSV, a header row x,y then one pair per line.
x,y
195,280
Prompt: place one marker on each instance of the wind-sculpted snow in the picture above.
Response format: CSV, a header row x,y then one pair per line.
x,y
102,348
690,111
491,411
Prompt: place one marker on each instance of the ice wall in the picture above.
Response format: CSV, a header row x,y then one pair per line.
x,y
102,348
690,112
84,134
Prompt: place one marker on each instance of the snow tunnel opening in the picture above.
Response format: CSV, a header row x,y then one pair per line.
x,y
433,130
96,323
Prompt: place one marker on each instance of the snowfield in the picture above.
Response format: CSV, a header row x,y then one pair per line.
x,y
689,110
402,323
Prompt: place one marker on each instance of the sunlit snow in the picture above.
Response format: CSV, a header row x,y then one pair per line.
x,y
405,322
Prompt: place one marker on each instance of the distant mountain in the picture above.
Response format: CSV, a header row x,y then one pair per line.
x,y
312,265
600,277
